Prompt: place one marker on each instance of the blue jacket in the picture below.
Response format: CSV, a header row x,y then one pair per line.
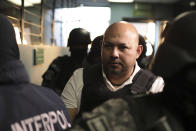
x,y
25,106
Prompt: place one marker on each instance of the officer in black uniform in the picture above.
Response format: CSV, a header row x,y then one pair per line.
x,y
25,106
94,56
62,67
172,110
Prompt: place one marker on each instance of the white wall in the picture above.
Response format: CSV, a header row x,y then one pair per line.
x,y
36,72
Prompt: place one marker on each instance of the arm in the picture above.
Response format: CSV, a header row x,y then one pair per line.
x,y
72,113
71,94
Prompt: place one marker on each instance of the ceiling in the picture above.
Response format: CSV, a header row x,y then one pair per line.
x,y
102,3
74,3
105,2
157,1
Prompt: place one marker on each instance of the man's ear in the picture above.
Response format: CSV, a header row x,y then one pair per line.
x,y
139,50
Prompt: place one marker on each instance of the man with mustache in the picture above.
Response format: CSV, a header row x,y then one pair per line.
x,y
174,109
117,76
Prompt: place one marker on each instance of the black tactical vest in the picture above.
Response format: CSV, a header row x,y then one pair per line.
x,y
95,91
59,72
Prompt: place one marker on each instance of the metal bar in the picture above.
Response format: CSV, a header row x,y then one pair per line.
x,y
42,20
61,34
52,25
33,34
35,43
13,18
22,21
36,25
31,13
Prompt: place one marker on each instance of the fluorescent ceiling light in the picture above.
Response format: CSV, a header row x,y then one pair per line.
x,y
27,3
121,1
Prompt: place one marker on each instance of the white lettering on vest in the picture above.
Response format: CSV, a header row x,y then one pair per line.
x,y
53,119
44,121
61,119
29,122
38,125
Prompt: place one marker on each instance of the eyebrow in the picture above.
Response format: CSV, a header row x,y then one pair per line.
x,y
107,42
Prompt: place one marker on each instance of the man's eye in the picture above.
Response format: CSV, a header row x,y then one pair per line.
x,y
123,47
107,46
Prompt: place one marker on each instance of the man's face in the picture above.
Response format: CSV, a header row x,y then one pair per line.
x,y
79,49
120,50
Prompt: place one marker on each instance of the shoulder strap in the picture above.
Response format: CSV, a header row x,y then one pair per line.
x,y
142,81
62,60
55,67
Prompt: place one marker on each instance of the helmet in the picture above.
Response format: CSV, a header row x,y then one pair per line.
x,y
79,36
178,51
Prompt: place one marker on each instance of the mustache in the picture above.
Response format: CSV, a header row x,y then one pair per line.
x,y
114,62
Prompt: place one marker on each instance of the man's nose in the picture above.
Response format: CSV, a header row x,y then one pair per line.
x,y
115,53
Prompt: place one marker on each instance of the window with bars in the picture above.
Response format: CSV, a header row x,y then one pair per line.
x,y
35,21
32,23
13,12
26,17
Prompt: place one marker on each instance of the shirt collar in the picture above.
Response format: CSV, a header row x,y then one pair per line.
x,y
129,81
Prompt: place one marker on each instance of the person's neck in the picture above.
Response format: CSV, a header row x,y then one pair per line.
x,y
117,80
